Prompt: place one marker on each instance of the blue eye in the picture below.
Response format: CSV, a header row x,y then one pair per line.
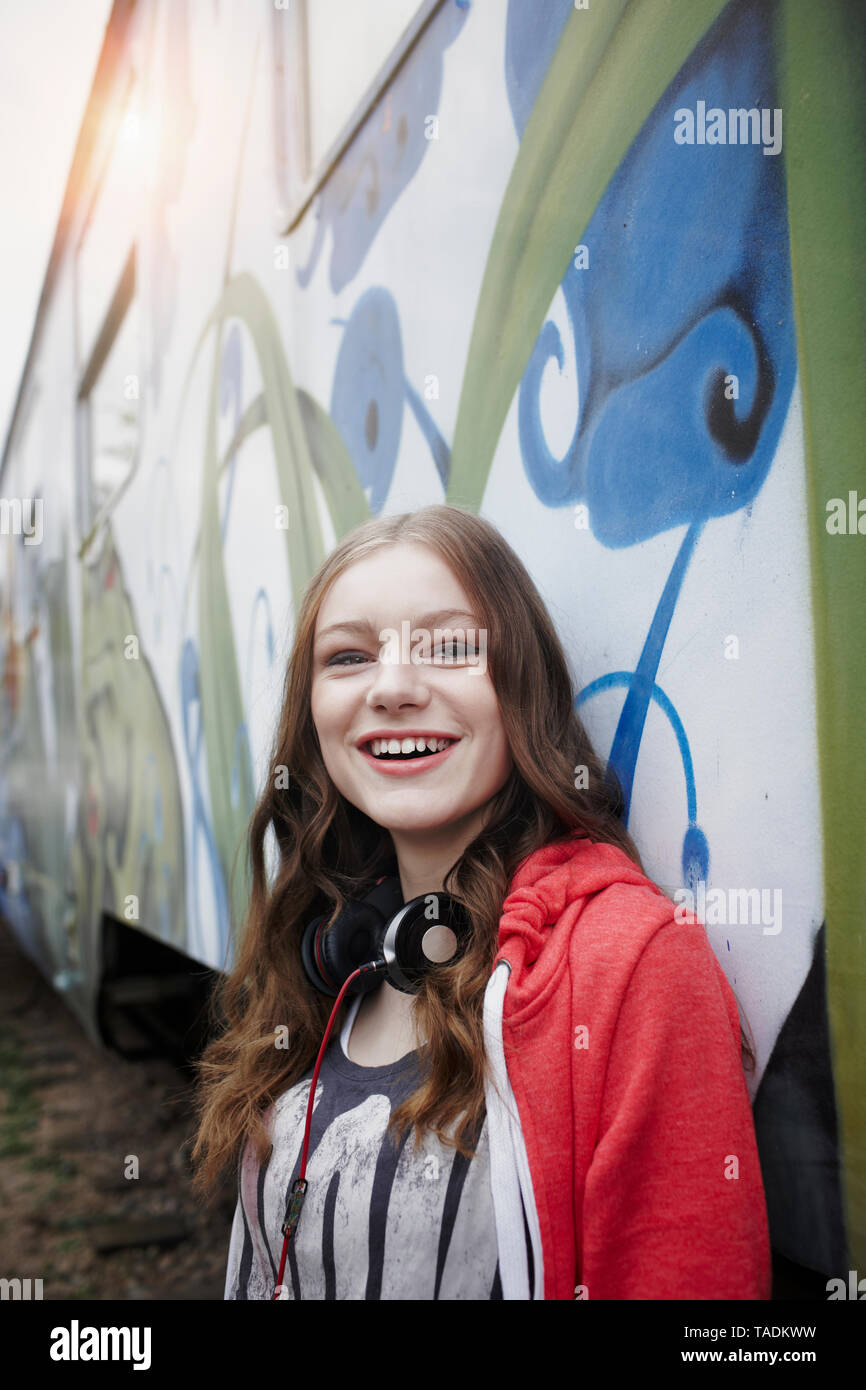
x,y
450,652
459,649
339,659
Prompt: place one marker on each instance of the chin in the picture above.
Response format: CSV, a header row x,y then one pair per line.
x,y
423,823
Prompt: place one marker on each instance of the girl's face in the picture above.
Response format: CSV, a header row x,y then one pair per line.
x,y
381,670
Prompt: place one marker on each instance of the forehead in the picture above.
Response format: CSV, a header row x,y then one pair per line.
x,y
405,580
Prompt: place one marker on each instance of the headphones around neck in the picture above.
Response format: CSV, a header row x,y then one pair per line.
x,y
405,939
373,936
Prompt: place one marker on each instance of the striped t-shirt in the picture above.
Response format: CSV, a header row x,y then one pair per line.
x,y
377,1222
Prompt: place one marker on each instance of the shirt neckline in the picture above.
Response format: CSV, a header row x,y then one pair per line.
x,y
339,1054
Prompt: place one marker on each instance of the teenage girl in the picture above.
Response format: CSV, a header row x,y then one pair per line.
x,y
555,1105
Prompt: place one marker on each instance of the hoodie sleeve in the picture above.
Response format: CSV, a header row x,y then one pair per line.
x,y
673,1204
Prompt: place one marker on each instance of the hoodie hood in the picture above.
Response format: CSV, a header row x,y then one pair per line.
x,y
549,891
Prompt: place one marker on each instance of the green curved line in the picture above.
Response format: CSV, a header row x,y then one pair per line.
x,y
821,62
253,418
611,66
305,441
347,505
290,408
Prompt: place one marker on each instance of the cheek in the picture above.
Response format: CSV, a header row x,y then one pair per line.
x,y
332,716
324,704
322,714
487,720
316,712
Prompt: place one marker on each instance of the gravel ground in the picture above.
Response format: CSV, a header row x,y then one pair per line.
x,y
70,1115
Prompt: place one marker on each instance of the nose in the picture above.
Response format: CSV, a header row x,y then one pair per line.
x,y
397,681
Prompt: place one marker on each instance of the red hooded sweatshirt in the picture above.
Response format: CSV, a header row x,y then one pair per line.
x,y
621,1040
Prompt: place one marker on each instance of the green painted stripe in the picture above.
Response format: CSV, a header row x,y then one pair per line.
x,y
612,65
822,61
305,441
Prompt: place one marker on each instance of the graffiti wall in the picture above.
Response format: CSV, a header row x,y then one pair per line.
x,y
592,270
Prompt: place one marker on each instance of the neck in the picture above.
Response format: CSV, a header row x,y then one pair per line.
x,y
424,857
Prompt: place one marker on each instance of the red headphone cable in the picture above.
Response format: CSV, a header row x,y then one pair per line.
x,y
299,1186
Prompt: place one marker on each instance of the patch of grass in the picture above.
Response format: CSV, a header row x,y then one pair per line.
x,y
70,1243
13,1146
50,1162
86,1289
79,1222
47,1199
21,1114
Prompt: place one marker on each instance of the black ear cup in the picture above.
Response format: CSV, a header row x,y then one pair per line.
x,y
330,956
411,938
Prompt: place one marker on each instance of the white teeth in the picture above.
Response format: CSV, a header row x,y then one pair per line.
x,y
408,745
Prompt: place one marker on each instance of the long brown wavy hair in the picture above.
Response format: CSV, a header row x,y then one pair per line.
x,y
329,850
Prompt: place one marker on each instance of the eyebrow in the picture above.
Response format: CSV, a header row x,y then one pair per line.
x,y
362,626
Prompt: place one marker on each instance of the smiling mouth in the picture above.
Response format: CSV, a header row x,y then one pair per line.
x,y
405,750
